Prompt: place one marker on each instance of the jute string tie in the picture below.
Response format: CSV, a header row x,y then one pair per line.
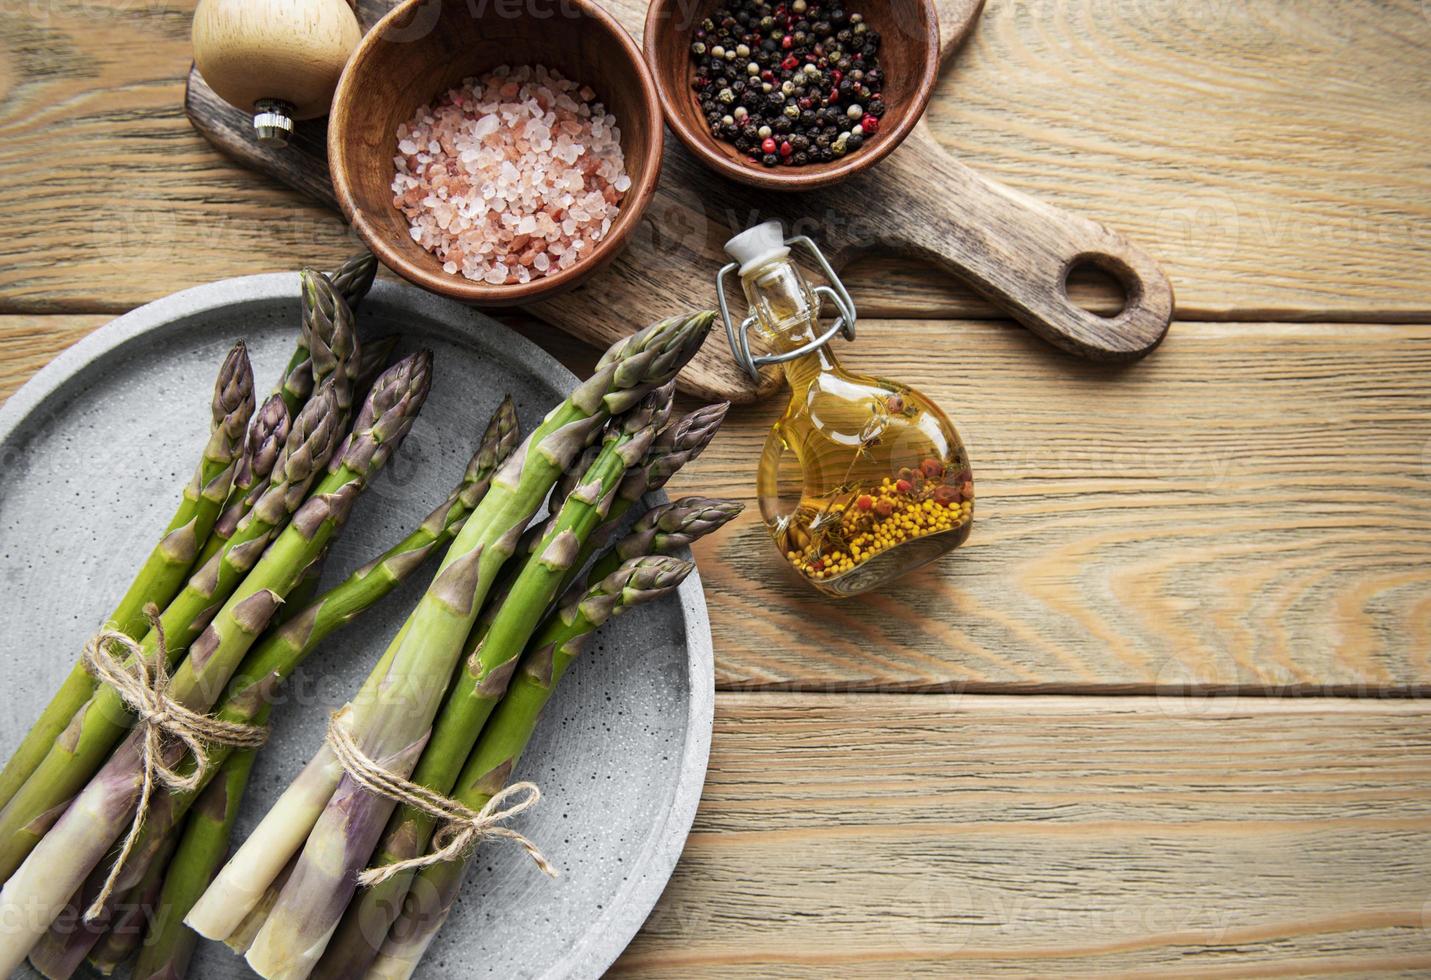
x,y
143,689
463,828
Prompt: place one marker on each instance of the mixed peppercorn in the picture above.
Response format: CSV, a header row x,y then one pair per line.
x,y
918,502
789,83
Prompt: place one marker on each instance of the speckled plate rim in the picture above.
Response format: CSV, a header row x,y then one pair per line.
x,y
608,935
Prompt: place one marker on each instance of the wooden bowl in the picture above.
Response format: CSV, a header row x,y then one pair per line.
x,y
908,56
424,47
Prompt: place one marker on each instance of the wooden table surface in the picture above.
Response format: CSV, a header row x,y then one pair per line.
x,y
1163,712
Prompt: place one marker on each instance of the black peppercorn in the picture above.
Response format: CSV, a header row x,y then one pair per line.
x,y
803,71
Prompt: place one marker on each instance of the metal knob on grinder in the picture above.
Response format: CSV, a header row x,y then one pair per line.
x,y
279,59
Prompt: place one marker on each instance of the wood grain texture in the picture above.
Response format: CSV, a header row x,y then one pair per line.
x,y
1262,200
980,836
28,343
1248,508
1234,141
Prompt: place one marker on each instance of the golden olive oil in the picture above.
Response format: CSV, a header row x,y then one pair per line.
x,y
862,479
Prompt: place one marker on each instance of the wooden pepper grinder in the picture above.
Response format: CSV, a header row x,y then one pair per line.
x,y
279,59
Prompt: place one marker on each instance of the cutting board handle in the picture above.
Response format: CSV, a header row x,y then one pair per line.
x,y
1017,250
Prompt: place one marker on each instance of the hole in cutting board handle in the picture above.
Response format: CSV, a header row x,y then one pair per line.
x,y
1100,284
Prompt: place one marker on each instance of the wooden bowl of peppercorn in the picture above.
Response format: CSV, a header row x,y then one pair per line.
x,y
794,94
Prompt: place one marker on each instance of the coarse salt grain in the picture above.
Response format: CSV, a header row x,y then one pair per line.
x,y
511,176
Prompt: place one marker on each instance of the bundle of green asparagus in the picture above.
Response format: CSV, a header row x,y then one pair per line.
x,y
450,705
271,491
281,650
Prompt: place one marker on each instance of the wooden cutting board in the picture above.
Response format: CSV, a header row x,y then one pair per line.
x,y
918,202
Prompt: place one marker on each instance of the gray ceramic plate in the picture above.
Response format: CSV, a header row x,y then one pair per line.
x,y
92,453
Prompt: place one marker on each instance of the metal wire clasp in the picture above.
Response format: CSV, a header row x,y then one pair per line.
x,y
739,336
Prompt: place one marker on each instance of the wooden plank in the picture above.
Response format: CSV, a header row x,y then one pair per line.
x,y
28,343
1264,201
876,836
1233,140
1246,507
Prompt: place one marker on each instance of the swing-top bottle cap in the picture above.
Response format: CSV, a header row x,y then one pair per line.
x,y
756,246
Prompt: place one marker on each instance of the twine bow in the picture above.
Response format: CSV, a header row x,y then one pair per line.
x,y
463,827
144,691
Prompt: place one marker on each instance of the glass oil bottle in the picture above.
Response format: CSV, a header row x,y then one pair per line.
x,y
862,479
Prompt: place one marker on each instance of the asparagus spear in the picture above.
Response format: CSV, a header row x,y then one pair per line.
x,y
303,593
169,944
243,936
354,278
95,818
492,762
675,446
373,358
332,337
127,929
164,569
678,444
283,648
393,712
667,528
324,342
659,401
100,723
328,349
266,438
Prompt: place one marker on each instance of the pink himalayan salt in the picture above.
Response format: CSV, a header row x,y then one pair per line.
x,y
511,176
